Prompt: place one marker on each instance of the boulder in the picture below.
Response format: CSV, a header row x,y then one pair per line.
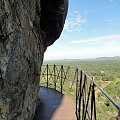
x,y
27,28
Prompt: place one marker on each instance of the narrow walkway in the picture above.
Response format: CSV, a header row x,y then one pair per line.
x,y
54,106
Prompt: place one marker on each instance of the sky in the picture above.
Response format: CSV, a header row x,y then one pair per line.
x,y
91,30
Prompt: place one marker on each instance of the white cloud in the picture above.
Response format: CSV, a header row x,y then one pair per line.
x,y
97,39
110,47
106,50
74,22
84,53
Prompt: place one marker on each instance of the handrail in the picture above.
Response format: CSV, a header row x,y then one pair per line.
x,y
60,77
112,101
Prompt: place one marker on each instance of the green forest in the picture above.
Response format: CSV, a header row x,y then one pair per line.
x,y
107,75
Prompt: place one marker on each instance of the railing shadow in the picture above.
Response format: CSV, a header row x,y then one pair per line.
x,y
50,102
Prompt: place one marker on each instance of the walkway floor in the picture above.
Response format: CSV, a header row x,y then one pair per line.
x,y
54,106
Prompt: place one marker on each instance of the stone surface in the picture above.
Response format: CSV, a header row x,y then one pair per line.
x,y
27,28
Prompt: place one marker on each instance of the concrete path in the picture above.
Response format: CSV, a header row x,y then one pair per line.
x,y
54,106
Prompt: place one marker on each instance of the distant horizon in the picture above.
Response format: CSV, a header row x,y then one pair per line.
x,y
85,58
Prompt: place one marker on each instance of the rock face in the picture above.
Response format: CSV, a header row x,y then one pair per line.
x,y
27,28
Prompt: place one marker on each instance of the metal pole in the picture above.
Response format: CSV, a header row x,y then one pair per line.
x,y
80,93
94,100
84,96
86,109
69,79
93,106
54,76
76,90
112,101
61,78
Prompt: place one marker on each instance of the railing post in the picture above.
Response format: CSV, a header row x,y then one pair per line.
x,y
87,102
69,73
84,96
94,98
61,83
80,94
55,76
47,75
93,104
76,90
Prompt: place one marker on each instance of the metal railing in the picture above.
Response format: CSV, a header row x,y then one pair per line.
x,y
78,85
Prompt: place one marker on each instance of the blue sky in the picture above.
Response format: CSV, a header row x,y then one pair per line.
x,y
92,29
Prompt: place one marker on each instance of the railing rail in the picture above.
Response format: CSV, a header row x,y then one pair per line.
x,y
77,84
112,101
